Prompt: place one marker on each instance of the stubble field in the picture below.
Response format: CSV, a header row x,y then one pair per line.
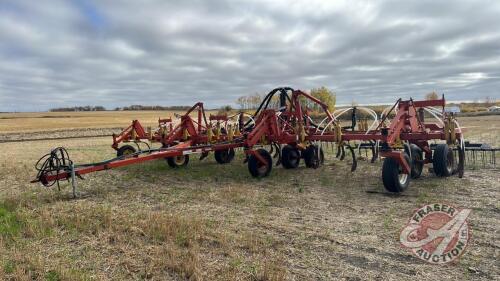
x,y
214,222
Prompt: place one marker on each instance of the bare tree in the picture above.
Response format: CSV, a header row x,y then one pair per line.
x,y
249,102
488,101
241,101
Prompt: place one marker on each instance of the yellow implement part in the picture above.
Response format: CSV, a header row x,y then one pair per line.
x,y
365,124
150,133
263,140
447,126
230,132
210,134
218,131
453,136
302,133
237,132
338,132
398,143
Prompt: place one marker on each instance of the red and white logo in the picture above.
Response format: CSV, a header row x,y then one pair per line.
x,y
437,233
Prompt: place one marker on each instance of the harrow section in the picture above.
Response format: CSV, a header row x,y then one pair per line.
x,y
402,137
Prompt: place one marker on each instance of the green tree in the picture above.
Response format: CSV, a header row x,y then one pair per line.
x,y
225,109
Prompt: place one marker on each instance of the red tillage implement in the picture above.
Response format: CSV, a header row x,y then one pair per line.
x,y
403,141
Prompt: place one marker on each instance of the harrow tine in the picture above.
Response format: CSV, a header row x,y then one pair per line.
x,y
342,153
354,161
278,154
278,150
461,161
203,155
374,153
339,151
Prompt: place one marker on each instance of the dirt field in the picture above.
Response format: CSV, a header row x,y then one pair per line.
x,y
50,121
213,222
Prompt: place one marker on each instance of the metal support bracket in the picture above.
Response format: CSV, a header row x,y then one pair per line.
x,y
73,180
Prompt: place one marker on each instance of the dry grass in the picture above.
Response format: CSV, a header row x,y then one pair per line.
x,y
208,222
483,129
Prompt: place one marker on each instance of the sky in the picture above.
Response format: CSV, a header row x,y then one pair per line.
x,y
117,53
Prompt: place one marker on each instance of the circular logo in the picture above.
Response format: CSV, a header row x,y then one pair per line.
x,y
437,233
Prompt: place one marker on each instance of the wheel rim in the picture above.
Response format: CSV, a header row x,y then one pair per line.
x,y
179,160
262,168
127,152
402,178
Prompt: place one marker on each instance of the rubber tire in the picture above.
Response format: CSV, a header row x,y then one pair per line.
x,y
390,175
122,150
440,161
309,157
172,163
290,157
255,167
224,156
416,165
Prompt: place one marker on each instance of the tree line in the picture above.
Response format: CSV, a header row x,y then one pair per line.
x,y
78,108
152,107
249,101
125,108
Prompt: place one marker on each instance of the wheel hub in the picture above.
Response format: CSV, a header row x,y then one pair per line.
x,y
179,160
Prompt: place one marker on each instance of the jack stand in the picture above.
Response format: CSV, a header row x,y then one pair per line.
x,y
73,180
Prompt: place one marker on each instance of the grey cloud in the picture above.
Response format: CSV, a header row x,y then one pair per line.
x,y
116,53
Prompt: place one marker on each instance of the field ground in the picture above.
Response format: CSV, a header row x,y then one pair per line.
x,y
49,121
213,222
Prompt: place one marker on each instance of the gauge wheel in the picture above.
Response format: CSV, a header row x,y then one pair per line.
x,y
258,169
393,177
178,161
125,150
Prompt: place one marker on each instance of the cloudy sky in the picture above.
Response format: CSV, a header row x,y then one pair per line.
x,y
116,53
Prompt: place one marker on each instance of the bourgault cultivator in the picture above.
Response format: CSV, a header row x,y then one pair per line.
x,y
190,132
402,137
